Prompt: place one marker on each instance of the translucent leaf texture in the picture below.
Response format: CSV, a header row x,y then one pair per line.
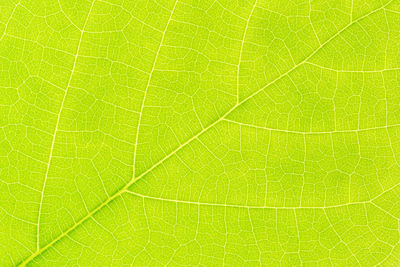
x,y
200,132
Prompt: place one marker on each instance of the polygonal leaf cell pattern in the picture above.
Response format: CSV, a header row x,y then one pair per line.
x,y
200,132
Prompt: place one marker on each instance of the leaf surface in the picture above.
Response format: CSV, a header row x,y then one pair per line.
x,y
203,132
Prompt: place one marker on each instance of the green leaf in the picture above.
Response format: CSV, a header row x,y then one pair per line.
x,y
199,132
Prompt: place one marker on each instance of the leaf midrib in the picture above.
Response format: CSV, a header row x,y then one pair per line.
x,y
238,104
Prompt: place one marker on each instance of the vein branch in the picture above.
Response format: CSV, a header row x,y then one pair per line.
x,y
56,129
147,87
241,51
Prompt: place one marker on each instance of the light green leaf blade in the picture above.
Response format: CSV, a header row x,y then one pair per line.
x,y
200,133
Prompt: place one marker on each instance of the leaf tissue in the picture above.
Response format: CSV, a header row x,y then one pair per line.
x,y
200,133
